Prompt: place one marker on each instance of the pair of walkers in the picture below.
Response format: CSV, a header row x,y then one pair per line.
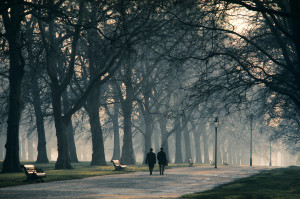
x,y
161,158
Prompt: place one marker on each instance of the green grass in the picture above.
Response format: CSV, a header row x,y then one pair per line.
x,y
282,183
81,170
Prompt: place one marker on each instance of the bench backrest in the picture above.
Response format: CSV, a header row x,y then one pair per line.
x,y
29,168
116,162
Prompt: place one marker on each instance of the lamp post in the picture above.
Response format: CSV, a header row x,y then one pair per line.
x,y
216,123
251,120
270,163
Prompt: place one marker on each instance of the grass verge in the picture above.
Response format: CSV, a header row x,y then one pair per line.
x,y
81,170
281,183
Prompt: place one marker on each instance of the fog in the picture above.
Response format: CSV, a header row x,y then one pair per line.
x,y
101,80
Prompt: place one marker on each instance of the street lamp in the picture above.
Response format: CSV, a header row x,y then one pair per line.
x,y
216,123
251,121
270,163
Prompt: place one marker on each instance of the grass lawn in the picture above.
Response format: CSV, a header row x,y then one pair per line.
x,y
281,183
81,170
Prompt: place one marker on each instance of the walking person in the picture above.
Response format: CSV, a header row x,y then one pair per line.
x,y
162,161
151,160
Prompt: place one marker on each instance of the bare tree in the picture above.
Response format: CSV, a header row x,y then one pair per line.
x,y
12,14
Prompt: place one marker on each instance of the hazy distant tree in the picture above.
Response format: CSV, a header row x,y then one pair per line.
x,y
112,111
178,141
197,132
126,99
186,138
265,53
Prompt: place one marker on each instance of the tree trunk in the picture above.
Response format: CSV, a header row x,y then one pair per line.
x,y
127,150
148,134
12,24
70,130
230,151
156,137
164,136
127,156
147,137
187,143
2,149
198,158
98,155
115,120
220,148
30,147
295,8
205,146
63,159
224,154
41,149
178,151
23,149
93,106
71,143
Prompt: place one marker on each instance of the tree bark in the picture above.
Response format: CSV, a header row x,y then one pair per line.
x,y
30,147
164,136
63,159
198,158
2,149
156,137
41,149
70,130
178,150
187,143
23,150
147,137
127,150
230,154
205,146
127,156
71,142
93,105
115,120
148,126
12,24
295,9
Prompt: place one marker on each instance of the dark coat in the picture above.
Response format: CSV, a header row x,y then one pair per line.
x,y
162,158
151,158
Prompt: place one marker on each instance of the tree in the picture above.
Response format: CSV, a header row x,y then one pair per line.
x,y
12,16
35,70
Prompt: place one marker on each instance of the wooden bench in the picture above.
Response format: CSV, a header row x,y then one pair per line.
x,y
118,166
191,163
225,163
33,174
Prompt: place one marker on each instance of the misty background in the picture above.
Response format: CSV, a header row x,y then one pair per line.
x,y
101,80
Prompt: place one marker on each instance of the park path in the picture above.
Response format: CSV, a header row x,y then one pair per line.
x,y
173,184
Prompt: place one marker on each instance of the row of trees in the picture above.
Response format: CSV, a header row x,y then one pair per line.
x,y
163,61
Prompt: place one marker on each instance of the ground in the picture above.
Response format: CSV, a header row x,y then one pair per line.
x,y
173,184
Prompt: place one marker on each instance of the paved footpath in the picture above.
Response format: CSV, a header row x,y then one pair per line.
x,y
173,184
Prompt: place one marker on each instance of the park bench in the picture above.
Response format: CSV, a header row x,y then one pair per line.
x,y
225,163
118,166
33,174
191,163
